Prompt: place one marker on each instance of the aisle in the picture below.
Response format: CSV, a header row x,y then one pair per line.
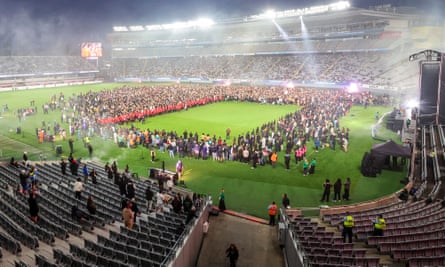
x,y
257,243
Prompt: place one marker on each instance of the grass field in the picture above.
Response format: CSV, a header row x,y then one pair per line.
x,y
247,190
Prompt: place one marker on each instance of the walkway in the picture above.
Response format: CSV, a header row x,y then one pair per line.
x,y
257,242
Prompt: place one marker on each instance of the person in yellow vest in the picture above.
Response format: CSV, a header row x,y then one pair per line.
x,y
273,209
379,225
348,224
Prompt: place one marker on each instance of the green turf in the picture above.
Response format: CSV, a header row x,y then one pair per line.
x,y
247,190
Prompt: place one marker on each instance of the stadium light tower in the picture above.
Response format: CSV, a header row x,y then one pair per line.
x,y
270,14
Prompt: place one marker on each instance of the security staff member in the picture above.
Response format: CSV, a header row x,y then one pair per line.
x,y
272,213
348,224
379,225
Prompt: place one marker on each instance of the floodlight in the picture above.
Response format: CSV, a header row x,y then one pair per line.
x,y
153,27
120,29
339,5
204,23
136,28
270,14
353,88
412,103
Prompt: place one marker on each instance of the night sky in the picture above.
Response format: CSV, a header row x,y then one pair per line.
x,y
64,24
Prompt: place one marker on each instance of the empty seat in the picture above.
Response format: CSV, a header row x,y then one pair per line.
x,y
133,261
146,262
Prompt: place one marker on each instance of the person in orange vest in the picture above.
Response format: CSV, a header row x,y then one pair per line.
x,y
273,209
273,159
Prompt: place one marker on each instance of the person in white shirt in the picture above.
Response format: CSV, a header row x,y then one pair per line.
x,y
78,188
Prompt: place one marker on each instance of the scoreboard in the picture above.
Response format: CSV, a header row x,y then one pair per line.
x,y
91,50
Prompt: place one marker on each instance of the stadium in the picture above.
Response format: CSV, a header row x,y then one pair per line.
x,y
169,142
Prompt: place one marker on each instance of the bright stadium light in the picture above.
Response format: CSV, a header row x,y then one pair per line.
x,y
412,103
153,27
339,5
136,28
353,88
204,23
270,14
120,29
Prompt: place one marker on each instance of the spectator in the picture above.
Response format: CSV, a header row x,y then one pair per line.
x,y
170,183
149,197
130,189
191,215
179,167
233,254
71,145
85,172
347,187
26,161
187,204
177,204
312,167
337,190
78,215
90,150
287,159
222,203
273,159
78,188
152,155
13,162
205,227
305,167
93,175
91,206
286,202
33,207
134,209
63,166
326,191
128,215
24,181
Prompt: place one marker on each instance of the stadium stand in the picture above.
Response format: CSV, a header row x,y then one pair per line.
x,y
153,242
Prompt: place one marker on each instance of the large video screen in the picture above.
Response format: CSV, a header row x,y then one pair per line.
x,y
91,50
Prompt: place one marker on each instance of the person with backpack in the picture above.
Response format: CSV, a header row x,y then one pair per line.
x,y
233,254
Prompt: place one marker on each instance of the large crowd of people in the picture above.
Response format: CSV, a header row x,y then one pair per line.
x,y
368,68
43,64
111,114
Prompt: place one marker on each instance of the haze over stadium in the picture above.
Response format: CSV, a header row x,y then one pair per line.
x,y
58,27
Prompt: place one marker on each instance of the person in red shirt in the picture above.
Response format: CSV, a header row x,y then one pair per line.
x,y
273,210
